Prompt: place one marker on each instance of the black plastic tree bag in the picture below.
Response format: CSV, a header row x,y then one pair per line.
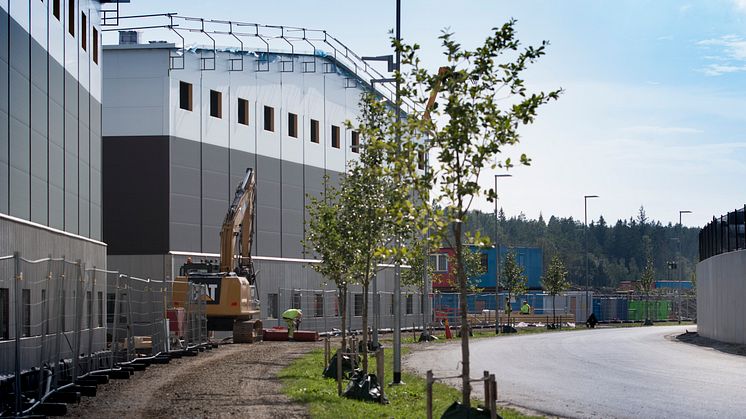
x,y
364,387
348,366
459,411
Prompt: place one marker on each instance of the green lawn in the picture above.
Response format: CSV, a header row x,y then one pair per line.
x,y
302,381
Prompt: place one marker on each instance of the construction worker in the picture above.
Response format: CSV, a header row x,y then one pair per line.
x,y
292,317
525,308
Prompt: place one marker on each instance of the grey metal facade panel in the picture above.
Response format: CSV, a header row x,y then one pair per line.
x,y
38,67
213,213
4,87
20,182
20,97
95,116
39,180
56,83
71,94
4,35
185,181
71,169
19,45
4,166
185,237
186,209
267,243
84,114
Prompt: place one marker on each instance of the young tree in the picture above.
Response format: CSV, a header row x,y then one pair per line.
x,y
478,101
513,279
555,282
647,279
418,255
327,235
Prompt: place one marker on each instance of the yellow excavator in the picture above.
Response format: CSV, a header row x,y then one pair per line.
x,y
232,300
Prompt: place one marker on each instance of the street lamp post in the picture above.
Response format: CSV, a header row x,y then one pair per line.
x,y
588,309
678,261
497,261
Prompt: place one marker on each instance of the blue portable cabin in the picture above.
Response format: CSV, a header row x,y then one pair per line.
x,y
530,258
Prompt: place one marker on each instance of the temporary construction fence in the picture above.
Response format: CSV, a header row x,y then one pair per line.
x,y
55,329
669,305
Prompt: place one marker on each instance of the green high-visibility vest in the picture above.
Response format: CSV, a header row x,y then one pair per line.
x,y
292,313
525,309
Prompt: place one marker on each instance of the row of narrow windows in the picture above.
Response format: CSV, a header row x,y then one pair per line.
x,y
216,111
71,12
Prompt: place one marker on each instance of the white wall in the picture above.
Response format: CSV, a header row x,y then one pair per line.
x,y
721,292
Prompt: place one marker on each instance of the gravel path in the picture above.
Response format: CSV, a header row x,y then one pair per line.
x,y
231,381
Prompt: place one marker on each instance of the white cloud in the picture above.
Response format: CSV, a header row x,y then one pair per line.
x,y
719,69
732,58
740,5
647,129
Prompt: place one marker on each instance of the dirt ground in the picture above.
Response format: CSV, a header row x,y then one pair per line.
x,y
230,381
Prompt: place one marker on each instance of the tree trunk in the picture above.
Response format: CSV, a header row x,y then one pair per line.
x,y
343,311
554,312
466,386
366,284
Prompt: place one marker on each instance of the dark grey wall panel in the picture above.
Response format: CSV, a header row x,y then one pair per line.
x,y
56,82
95,116
4,35
39,181
84,174
215,195
84,114
185,206
4,167
19,48
212,209
38,65
136,198
96,205
268,221
20,182
240,161
56,162
71,168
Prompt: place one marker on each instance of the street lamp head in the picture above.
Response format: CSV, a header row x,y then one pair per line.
x,y
591,196
504,175
685,212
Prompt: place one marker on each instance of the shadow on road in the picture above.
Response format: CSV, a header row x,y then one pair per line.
x,y
695,339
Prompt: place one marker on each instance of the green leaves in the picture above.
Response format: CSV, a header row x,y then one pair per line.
x,y
513,278
555,281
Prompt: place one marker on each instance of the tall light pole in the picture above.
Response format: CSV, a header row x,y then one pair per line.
x,y
588,309
497,261
678,261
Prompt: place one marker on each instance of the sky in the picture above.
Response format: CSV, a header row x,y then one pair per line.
x,y
653,109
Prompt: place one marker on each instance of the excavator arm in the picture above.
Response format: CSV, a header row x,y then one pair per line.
x,y
239,223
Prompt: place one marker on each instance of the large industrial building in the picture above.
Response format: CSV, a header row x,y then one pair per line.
x,y
182,125
50,180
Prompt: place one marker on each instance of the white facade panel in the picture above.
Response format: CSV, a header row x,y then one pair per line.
x,y
335,116
313,108
39,22
243,86
19,11
215,129
292,102
269,93
186,123
71,43
142,99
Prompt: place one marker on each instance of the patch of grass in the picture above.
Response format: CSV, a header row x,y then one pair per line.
x,y
302,381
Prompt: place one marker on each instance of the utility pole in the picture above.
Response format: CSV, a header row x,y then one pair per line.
x,y
678,260
497,262
588,309
397,266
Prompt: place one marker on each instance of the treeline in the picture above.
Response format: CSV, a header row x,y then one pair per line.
x,y
616,251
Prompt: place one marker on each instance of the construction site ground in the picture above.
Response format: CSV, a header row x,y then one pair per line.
x,y
238,380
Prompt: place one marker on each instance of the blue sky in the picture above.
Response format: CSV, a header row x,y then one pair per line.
x,y
653,109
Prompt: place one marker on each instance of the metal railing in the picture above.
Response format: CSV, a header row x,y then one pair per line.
x,y
723,234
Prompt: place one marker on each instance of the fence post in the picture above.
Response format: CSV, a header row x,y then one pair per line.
x,y
487,388
429,393
115,324
60,303
153,327
326,350
130,330
493,397
340,353
379,368
79,297
44,325
18,320
91,321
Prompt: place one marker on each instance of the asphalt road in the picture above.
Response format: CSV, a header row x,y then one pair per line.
x,y
621,373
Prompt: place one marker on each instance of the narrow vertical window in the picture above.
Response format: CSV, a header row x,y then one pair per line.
x,y
355,142
100,308
95,45
185,96
56,8
421,160
319,305
410,304
297,300
89,309
83,31
4,314
26,306
358,305
335,136
293,125
216,104
71,17
314,131
243,111
269,118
